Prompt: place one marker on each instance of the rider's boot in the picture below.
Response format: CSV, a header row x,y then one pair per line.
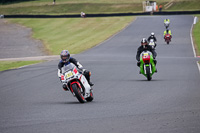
x,y
87,75
90,83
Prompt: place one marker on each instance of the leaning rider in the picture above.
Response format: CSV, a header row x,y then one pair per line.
x,y
65,60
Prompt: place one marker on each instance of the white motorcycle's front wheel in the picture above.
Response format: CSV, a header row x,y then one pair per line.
x,y
78,93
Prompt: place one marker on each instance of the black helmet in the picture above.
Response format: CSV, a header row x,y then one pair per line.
x,y
65,55
144,42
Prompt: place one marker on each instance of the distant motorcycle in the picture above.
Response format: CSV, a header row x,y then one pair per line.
x,y
77,83
147,65
166,24
152,43
167,38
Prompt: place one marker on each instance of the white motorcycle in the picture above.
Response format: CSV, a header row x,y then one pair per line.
x,y
152,43
76,82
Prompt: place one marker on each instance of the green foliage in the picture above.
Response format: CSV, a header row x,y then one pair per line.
x,y
196,34
12,1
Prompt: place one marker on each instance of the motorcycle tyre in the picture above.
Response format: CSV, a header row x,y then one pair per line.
x,y
78,94
148,73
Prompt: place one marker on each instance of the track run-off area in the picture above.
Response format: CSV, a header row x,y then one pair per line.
x,y
32,99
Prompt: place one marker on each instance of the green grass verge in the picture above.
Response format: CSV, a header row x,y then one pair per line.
x,y
196,36
74,34
89,6
73,8
6,65
185,6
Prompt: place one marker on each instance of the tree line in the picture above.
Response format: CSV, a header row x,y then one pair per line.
x,y
12,1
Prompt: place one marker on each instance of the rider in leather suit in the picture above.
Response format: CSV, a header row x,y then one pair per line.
x,y
65,60
144,46
152,37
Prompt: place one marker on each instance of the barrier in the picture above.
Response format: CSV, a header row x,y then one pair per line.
x,y
103,15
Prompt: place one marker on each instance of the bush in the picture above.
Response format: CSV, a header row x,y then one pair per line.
x,y
11,1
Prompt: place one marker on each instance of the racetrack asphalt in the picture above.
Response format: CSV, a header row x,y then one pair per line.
x,y
32,100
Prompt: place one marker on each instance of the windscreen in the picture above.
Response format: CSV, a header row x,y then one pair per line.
x,y
68,67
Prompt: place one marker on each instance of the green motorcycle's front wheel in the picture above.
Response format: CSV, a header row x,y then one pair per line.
x,y
148,73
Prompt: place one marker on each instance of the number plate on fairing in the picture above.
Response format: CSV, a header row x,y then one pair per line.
x,y
68,74
151,43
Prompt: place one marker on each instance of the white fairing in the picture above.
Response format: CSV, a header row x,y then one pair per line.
x,y
59,74
85,84
145,53
71,72
152,43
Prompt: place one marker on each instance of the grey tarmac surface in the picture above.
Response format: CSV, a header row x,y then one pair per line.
x,y
32,100
16,42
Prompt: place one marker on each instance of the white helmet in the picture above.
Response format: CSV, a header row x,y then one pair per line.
x,y
152,34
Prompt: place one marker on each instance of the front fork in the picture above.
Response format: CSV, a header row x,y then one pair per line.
x,y
145,65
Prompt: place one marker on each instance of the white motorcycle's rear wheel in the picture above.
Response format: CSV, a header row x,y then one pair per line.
x,y
78,93
91,97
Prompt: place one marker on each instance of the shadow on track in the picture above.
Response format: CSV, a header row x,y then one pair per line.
x,y
142,80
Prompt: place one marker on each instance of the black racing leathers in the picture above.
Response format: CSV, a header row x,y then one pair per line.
x,y
142,48
152,37
72,60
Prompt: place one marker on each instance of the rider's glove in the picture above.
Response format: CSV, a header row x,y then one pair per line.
x,y
79,65
155,61
60,79
138,63
82,70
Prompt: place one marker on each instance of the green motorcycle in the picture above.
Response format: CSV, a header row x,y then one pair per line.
x,y
147,64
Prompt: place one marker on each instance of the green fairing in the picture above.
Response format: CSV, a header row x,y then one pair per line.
x,y
152,64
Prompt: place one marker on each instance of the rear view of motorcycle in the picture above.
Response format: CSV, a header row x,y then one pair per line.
x,y
152,43
77,83
166,24
167,38
147,65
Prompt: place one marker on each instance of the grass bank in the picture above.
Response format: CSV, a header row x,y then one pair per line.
x,y
89,6
74,34
191,5
196,36
5,65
